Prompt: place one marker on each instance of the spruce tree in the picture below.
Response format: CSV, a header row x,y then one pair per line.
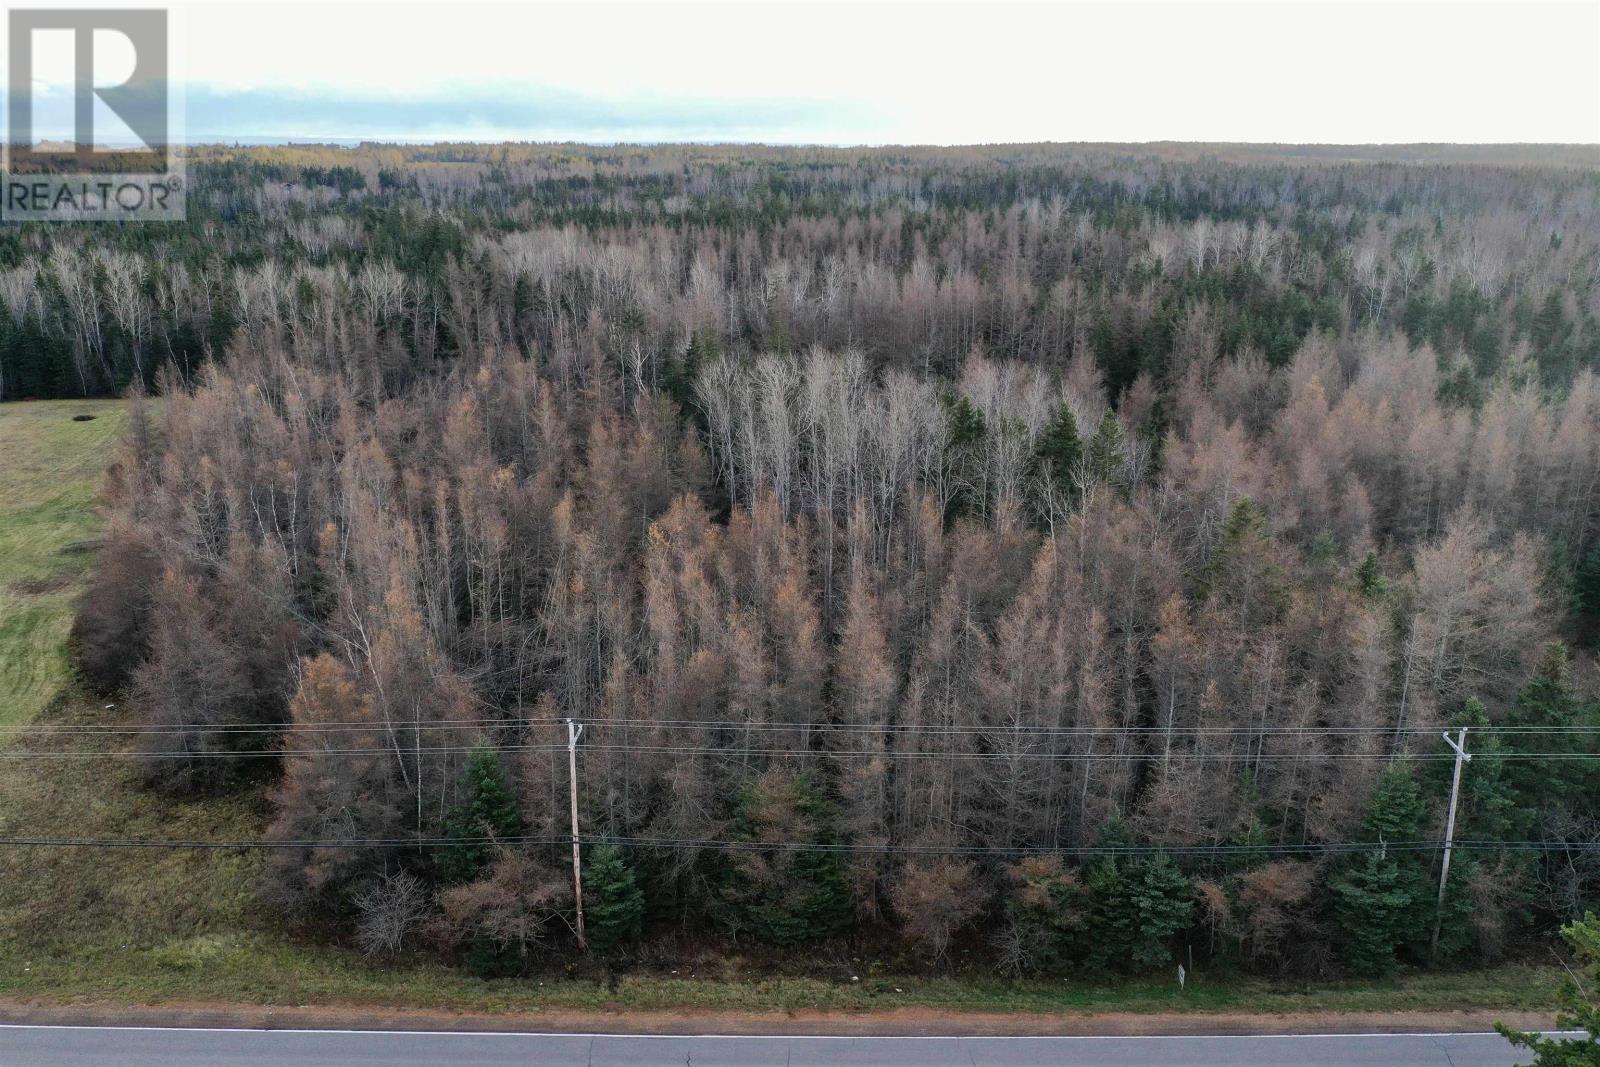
x,y
1245,529
1550,332
786,897
1396,809
1490,809
966,421
1135,911
1044,914
1243,568
1059,448
1135,907
1550,702
1396,813
1579,1009
1107,449
485,814
1163,900
1369,578
613,900
1586,589
1456,933
1372,909
966,430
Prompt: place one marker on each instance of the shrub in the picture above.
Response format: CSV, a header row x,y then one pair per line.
x,y
1044,916
503,916
934,899
388,911
109,631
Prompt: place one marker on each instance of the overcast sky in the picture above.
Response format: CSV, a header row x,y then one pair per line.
x,y
902,72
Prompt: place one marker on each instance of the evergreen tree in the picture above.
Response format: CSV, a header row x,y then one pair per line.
x,y
1107,449
1372,909
613,900
966,430
1044,914
1548,698
1550,332
1586,590
1253,836
1396,812
1490,809
966,421
786,897
1135,907
1369,578
1245,528
1579,1009
524,300
486,813
1396,809
1549,702
1059,448
1243,569
778,337
1456,934
678,373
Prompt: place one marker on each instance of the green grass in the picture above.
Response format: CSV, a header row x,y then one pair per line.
x,y
50,470
221,967
263,971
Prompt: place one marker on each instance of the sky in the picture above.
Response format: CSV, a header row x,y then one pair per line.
x,y
1281,71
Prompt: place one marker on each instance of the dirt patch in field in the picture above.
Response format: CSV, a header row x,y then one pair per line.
x,y
41,586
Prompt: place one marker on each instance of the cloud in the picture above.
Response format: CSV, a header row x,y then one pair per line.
x,y
514,112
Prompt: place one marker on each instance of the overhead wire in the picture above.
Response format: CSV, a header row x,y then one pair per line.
x,y
433,841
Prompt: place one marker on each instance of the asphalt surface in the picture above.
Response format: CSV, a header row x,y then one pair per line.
x,y
28,1046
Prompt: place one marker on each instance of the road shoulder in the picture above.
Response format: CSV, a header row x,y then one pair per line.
x,y
901,1022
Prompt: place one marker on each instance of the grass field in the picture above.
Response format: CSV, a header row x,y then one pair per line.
x,y
154,926
50,468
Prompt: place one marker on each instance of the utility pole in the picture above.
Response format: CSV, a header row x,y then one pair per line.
x,y
575,731
1462,756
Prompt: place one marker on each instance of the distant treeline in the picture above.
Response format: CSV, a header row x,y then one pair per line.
x,y
915,255
1070,553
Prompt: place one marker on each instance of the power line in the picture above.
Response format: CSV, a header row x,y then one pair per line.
x,y
1309,848
1097,850
745,753
732,724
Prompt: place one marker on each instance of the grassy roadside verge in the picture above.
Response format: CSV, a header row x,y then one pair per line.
x,y
50,468
259,971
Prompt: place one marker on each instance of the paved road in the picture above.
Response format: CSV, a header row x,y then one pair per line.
x,y
31,1046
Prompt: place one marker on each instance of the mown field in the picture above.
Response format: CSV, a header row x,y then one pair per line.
x,y
155,926
50,469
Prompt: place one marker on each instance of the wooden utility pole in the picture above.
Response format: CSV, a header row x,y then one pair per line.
x,y
575,731
1460,745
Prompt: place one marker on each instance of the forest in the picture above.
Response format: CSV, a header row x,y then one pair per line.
x,y
1067,555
